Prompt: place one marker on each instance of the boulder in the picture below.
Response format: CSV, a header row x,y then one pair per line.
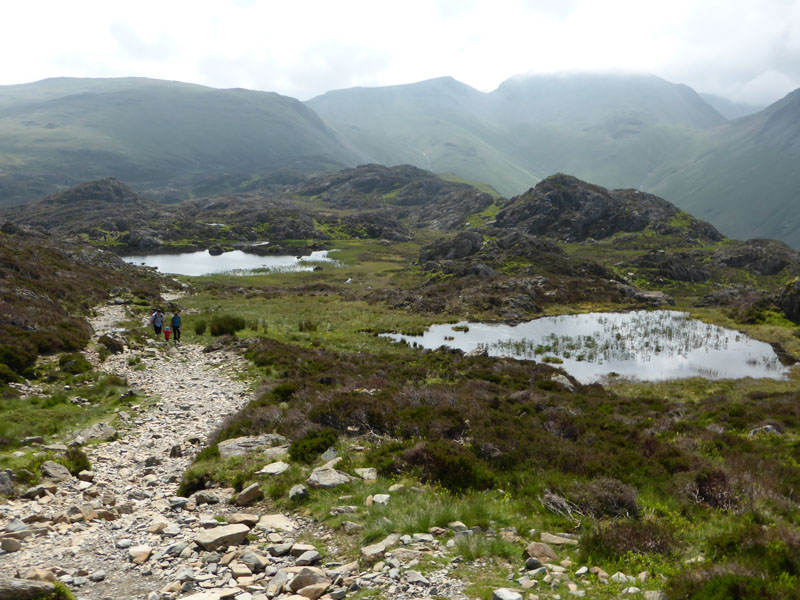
x,y
54,470
541,551
307,576
328,478
249,495
298,492
227,535
139,554
373,553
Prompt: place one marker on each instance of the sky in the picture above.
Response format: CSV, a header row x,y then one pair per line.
x,y
744,50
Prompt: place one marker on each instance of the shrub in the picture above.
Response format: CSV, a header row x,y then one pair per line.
x,y
200,327
77,461
74,364
226,325
614,539
7,375
711,487
306,325
450,465
310,446
605,497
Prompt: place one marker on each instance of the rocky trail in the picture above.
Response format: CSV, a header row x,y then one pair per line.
x,y
120,531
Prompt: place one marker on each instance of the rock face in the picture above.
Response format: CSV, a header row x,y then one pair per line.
x,y
572,210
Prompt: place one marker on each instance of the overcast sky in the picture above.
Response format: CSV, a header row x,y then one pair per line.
x,y
746,50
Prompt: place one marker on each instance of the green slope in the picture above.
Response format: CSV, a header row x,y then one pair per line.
x,y
153,134
747,182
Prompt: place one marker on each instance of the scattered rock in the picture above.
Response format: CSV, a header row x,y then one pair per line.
x,y
139,554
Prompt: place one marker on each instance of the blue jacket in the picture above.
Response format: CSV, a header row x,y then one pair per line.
x,y
176,321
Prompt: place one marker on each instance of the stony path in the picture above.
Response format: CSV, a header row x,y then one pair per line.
x,y
196,392
124,534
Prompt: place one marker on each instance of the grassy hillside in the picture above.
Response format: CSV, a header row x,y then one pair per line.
x,y
158,136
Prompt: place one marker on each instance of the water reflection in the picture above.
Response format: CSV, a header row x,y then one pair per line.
x,y
233,263
646,345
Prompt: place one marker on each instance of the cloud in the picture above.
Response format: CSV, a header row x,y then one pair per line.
x,y
736,48
132,44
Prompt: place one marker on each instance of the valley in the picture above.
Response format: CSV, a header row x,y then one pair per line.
x,y
287,421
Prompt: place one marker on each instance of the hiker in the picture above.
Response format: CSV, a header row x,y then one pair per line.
x,y
167,332
176,327
157,319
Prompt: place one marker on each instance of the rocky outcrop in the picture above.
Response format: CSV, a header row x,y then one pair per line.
x,y
678,266
789,300
465,244
568,209
764,257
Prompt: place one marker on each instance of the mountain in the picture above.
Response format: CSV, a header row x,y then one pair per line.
x,y
441,124
613,129
159,136
730,109
746,182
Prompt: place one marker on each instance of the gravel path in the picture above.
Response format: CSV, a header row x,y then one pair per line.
x,y
196,391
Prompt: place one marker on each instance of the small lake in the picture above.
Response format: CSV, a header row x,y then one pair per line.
x,y
644,345
235,262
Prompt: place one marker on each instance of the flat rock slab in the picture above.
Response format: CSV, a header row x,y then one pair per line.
x,y
248,445
276,522
227,535
557,540
506,594
23,589
275,468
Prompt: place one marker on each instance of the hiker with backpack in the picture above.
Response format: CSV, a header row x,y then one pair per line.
x,y
176,327
157,320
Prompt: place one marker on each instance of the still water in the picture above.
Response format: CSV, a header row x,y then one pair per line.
x,y
645,345
234,263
